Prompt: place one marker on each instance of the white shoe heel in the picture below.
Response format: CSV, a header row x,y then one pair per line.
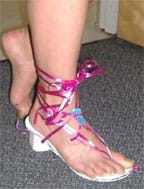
x,y
36,144
35,138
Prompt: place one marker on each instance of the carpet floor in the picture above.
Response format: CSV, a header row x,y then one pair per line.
x,y
113,104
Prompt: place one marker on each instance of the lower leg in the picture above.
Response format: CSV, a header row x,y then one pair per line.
x,y
57,52
57,48
57,28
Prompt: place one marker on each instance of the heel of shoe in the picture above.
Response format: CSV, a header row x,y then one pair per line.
x,y
36,144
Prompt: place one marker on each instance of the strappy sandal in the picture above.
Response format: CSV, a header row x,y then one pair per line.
x,y
55,115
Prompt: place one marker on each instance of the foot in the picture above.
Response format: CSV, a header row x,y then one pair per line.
x,y
18,49
81,157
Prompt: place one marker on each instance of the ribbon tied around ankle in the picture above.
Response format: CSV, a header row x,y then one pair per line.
x,y
88,69
64,89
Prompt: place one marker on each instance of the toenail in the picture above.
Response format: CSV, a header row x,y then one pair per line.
x,y
130,161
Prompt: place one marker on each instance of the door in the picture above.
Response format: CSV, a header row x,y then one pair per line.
x,y
131,21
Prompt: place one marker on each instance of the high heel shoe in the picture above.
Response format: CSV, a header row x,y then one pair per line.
x,y
55,115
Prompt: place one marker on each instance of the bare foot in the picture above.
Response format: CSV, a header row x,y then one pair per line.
x,y
18,49
80,157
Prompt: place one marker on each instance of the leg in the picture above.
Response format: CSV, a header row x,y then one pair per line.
x,y
17,46
57,28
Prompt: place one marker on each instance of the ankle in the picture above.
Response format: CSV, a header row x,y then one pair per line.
x,y
50,100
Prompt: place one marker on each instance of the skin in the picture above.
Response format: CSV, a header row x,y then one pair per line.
x,y
22,62
50,47
17,46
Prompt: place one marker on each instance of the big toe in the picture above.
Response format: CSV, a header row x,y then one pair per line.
x,y
122,160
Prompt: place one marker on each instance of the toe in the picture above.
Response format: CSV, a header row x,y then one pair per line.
x,y
90,172
107,167
122,160
100,172
119,169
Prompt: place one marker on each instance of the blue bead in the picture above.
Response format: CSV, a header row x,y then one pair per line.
x,y
76,111
80,118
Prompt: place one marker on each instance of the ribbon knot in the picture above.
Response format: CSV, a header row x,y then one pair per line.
x,y
88,69
69,84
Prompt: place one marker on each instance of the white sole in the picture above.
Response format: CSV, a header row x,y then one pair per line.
x,y
36,144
